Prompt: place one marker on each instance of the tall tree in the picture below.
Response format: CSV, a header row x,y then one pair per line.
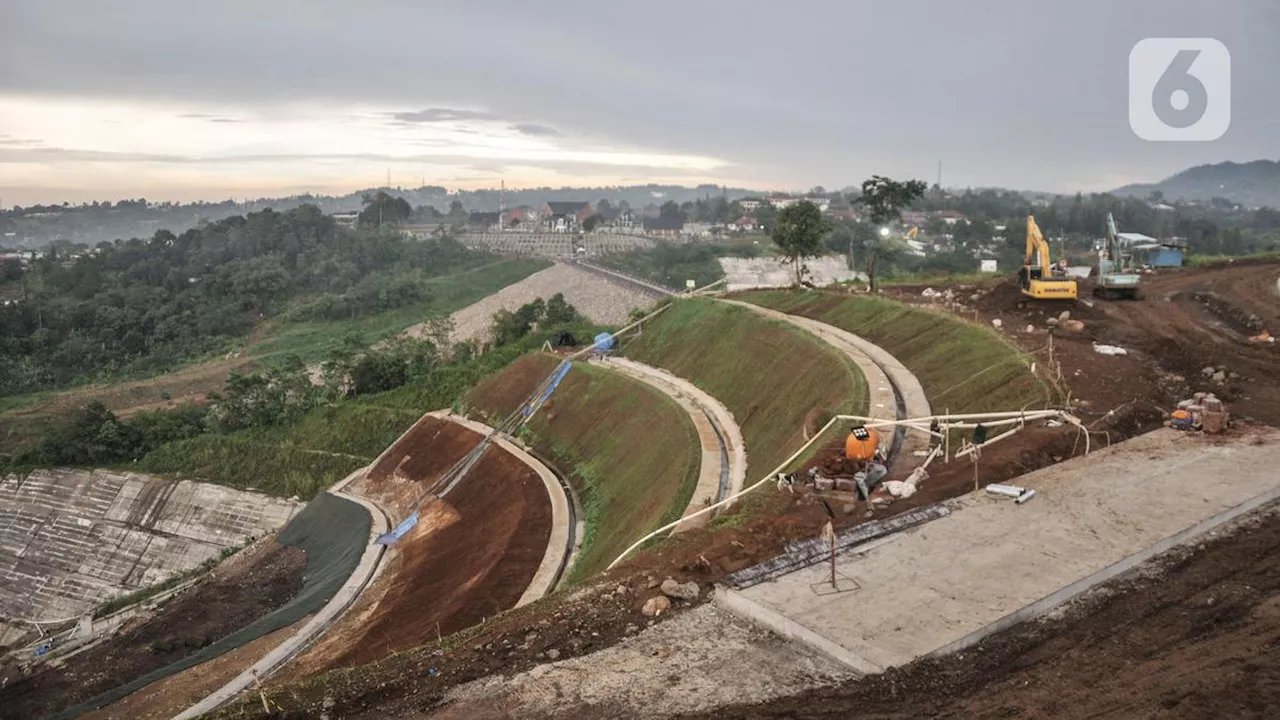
x,y
884,199
798,232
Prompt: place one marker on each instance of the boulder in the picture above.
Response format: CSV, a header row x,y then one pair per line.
x,y
1064,316
1208,371
1074,326
681,591
655,606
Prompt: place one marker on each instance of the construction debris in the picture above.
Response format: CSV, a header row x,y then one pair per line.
x,y
1019,494
1109,349
1203,411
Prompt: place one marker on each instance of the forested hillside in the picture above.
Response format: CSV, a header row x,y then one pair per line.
x,y
143,305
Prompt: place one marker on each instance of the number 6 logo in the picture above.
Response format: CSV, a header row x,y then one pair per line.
x,y
1179,89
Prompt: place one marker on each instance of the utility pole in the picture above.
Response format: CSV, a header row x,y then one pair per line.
x,y
939,174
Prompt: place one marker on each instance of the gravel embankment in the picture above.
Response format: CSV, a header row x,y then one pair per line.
x,y
602,300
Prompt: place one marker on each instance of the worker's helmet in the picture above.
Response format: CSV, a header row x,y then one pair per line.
x,y
862,443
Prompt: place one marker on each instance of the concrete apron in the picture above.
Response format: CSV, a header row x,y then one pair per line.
x,y
991,563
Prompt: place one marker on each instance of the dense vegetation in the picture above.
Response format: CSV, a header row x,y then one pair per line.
x,y
285,430
139,306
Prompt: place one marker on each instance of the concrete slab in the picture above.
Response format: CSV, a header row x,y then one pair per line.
x,y
992,563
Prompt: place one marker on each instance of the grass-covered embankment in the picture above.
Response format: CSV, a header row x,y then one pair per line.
x,y
769,374
632,453
327,443
963,366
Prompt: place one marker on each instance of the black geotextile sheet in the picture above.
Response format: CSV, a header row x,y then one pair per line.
x,y
333,532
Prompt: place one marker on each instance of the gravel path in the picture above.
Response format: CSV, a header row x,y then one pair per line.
x,y
701,660
600,299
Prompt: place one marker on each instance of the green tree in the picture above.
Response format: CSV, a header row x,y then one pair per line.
x,y
883,200
798,232
384,209
766,214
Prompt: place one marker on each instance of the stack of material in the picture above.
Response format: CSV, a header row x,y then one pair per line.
x,y
1204,411
1214,417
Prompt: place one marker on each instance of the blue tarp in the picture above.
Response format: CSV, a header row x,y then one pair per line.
x,y
553,382
400,530
604,342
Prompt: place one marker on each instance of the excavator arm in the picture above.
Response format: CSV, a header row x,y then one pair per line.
x,y
1036,244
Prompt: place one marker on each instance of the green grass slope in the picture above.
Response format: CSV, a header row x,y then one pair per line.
x,y
634,452
769,374
963,366
327,443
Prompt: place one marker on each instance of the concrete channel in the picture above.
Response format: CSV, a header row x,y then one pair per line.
x,y
723,468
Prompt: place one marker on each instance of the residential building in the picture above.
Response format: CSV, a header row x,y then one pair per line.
x,y
663,226
915,217
483,221
566,216
697,229
750,204
951,217
746,223
822,202
346,219
627,220
782,200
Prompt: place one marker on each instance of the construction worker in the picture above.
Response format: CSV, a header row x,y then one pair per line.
x,y
862,448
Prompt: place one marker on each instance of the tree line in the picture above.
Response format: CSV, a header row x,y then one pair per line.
x,y
143,305
279,397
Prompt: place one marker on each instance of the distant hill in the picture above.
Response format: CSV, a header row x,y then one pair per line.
x,y
1252,184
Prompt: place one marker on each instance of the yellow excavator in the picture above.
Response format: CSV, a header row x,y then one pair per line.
x,y
1039,278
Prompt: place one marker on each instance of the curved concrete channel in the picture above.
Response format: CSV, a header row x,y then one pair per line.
x,y
366,570
724,456
893,391
561,548
565,538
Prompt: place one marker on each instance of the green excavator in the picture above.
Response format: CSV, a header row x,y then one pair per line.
x,y
1117,277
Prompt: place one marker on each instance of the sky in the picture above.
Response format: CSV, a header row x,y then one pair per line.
x,y
184,100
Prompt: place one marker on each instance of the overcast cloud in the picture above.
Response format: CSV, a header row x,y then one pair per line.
x,y
103,98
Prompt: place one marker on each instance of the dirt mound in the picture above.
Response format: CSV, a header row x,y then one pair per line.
x,y
237,594
472,557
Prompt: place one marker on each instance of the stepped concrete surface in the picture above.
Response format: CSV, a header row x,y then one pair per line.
x,y
555,245
563,544
724,457
991,563
884,374
71,539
